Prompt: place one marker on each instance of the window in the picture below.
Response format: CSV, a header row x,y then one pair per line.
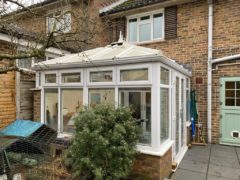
x,y
71,77
72,101
134,75
164,114
232,93
146,27
101,96
103,76
51,108
164,77
59,22
139,100
188,100
164,104
50,78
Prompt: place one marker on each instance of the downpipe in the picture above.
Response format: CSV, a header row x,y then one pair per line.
x,y
210,56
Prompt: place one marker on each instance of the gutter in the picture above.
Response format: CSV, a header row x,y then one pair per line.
x,y
209,74
227,58
108,62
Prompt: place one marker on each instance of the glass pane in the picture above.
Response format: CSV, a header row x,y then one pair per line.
x,y
132,35
72,101
139,100
182,110
177,117
145,32
51,108
188,105
238,85
71,78
164,114
50,78
164,76
134,75
230,85
230,93
238,102
157,26
229,102
145,18
238,94
104,76
101,96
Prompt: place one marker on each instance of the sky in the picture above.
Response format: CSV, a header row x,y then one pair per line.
x,y
12,7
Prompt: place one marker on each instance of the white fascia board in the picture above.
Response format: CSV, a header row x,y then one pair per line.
x,y
108,62
109,7
24,43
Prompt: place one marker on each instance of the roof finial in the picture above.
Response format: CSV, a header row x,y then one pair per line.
x,y
120,37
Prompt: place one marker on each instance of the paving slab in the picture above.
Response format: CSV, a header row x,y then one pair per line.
x,y
223,153
224,148
196,166
197,157
223,171
212,177
224,161
183,174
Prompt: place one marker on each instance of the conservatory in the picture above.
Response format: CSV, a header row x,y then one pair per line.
x,y
121,74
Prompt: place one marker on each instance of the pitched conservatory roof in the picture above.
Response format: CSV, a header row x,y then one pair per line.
x,y
114,54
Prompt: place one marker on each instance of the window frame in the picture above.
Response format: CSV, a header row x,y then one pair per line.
x,y
138,17
169,87
53,13
71,83
100,69
61,106
135,67
44,78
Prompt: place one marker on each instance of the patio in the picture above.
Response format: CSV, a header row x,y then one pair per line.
x,y
211,162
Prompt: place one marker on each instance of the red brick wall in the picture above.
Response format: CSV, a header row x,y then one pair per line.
x,y
153,167
37,105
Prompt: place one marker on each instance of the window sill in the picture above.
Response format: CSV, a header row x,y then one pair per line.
x,y
150,42
161,152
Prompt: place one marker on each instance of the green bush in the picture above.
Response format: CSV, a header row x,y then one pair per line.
x,y
104,146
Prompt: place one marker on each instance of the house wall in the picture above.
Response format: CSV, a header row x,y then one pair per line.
x,y
7,90
190,47
226,40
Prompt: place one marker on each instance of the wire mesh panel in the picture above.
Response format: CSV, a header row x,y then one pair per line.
x,y
32,156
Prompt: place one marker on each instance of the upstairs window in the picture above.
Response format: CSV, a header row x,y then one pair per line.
x,y
146,27
59,22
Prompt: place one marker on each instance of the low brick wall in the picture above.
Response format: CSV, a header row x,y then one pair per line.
x,y
37,105
153,167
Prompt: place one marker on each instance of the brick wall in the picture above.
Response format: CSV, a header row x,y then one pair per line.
x,y
226,41
7,91
153,167
37,105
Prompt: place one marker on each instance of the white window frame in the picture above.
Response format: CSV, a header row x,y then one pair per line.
x,y
60,121
71,71
63,12
151,14
100,69
44,78
169,87
135,67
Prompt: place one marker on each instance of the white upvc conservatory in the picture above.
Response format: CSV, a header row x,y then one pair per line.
x,y
155,86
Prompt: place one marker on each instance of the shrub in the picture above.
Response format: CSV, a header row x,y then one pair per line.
x,y
104,145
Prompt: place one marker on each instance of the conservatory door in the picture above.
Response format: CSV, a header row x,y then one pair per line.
x,y
179,131
139,100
